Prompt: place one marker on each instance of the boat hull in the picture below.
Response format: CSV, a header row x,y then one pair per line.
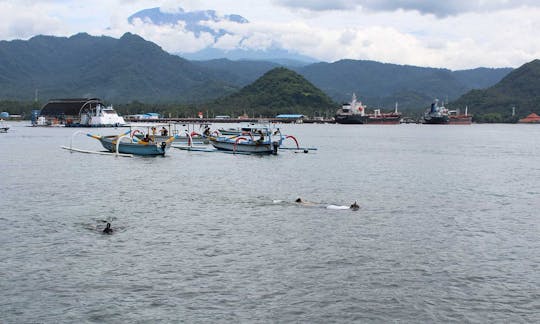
x,y
438,120
391,120
252,147
177,139
460,120
351,119
151,149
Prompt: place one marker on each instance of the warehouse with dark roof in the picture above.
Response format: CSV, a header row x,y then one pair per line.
x,y
65,111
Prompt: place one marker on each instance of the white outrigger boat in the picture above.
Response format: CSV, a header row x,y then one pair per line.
x,y
244,130
263,142
162,132
124,145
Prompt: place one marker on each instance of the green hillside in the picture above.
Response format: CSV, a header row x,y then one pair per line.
x,y
116,70
135,74
279,91
519,89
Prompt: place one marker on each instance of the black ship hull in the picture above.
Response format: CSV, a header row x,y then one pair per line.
x,y
351,119
437,120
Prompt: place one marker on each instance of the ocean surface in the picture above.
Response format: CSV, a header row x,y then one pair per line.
x,y
448,229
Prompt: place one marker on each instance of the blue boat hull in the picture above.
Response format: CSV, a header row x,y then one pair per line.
x,y
251,147
151,149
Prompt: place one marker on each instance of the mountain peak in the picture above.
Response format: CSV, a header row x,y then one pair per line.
x,y
192,19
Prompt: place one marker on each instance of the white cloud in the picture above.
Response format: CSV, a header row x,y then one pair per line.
x,y
228,42
478,36
172,38
438,8
17,24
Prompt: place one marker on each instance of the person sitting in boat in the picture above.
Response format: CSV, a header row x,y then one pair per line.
x,y
206,131
261,138
146,138
108,229
354,206
164,131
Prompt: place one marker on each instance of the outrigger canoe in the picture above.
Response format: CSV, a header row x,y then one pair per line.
x,y
267,142
244,145
125,144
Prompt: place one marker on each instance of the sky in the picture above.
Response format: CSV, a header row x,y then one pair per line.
x,y
454,34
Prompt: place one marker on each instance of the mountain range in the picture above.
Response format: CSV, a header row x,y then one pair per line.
x,y
133,69
116,70
382,85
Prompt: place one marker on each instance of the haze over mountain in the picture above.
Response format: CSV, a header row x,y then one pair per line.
x,y
193,21
519,89
133,69
199,22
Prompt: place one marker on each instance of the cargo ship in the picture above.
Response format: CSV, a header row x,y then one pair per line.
x,y
439,115
377,117
355,113
459,119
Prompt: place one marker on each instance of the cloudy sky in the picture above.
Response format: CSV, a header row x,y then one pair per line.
x,y
455,34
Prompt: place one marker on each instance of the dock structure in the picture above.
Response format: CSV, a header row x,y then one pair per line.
x,y
229,120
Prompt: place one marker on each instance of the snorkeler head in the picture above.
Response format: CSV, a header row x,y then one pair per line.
x,y
108,229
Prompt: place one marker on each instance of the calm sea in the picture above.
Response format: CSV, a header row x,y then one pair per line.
x,y
448,229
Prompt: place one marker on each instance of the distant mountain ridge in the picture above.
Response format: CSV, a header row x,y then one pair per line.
x,y
384,84
133,69
116,70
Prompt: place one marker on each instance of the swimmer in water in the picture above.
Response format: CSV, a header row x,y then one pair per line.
x,y
303,202
108,229
354,206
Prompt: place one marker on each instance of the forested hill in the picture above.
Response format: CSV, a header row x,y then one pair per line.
x,y
278,91
116,70
131,69
519,89
382,84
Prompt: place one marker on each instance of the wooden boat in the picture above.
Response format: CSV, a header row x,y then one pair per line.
x,y
260,142
243,144
195,138
162,132
244,130
124,144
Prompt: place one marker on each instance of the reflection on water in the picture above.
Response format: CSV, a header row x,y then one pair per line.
x,y
447,229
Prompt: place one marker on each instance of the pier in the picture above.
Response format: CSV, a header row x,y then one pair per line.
x,y
233,120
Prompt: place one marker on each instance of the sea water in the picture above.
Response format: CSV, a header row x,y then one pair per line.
x,y
448,229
